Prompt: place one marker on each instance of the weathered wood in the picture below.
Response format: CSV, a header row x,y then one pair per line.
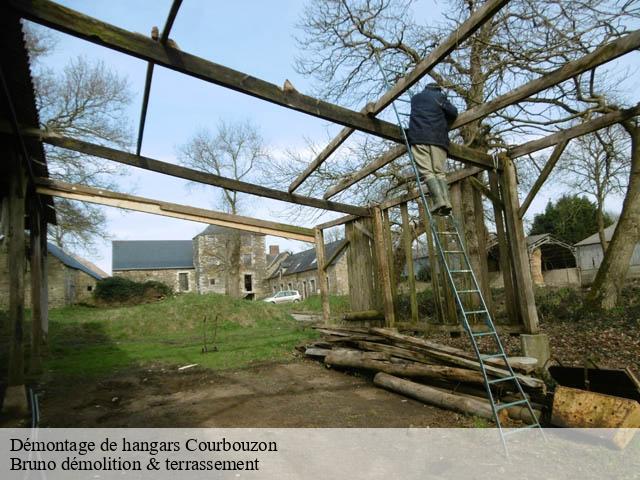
x,y
16,266
433,264
337,221
386,226
599,56
433,396
408,251
361,268
363,315
504,259
577,131
323,282
35,246
482,188
544,174
359,359
158,207
464,31
384,274
519,253
317,352
44,282
337,252
190,174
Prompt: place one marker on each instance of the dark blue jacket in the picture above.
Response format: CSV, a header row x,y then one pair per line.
x,y
431,116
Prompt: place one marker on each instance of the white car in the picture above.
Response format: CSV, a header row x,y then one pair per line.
x,y
285,296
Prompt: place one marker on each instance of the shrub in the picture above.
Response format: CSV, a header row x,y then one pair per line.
x,y
123,290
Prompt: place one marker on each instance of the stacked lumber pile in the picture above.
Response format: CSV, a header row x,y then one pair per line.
x,y
427,371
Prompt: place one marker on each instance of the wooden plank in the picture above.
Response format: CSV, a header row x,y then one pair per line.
x,y
158,207
361,268
379,246
322,276
599,56
190,174
35,262
573,132
336,253
386,228
482,188
546,170
337,221
411,277
16,267
433,264
44,282
464,31
504,259
518,244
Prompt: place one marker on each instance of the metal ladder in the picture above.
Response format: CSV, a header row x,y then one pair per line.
x,y
455,261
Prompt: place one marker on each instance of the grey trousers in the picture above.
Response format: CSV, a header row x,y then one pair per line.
x,y
431,160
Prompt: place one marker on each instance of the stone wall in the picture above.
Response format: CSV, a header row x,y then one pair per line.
x,y
307,282
168,276
210,255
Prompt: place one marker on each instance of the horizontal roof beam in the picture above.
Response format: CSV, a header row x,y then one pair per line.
x,y
93,30
439,53
98,196
599,56
190,174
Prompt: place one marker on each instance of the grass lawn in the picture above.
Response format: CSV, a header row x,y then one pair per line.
x,y
90,341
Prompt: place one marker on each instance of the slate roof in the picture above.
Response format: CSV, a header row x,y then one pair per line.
x,y
71,262
590,240
151,254
306,260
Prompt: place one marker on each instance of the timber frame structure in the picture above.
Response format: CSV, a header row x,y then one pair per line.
x,y
26,190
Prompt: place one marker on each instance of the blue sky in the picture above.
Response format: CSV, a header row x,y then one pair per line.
x,y
255,37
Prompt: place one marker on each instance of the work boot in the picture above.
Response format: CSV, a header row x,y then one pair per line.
x,y
437,202
444,187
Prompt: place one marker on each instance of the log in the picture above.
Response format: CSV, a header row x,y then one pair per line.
x,y
363,315
433,396
317,352
363,360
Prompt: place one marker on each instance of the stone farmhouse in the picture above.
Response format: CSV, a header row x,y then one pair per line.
x,y
201,264
71,279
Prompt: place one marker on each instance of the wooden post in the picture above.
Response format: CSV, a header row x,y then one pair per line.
x,y
383,268
386,225
16,266
512,305
434,262
322,276
411,278
44,281
35,244
519,253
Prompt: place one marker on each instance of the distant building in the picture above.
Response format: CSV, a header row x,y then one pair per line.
x,y
590,256
299,271
70,279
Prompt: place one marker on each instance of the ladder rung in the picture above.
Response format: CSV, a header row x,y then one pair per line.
x,y
468,291
502,379
475,312
502,406
482,334
521,429
453,251
459,271
447,233
489,356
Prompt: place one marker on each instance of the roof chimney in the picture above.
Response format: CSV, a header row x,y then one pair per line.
x,y
274,250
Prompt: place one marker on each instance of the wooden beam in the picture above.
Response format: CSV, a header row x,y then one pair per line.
x,y
337,221
386,230
548,167
518,244
384,273
408,251
462,33
36,277
322,275
101,33
158,207
577,131
599,56
336,253
190,174
482,188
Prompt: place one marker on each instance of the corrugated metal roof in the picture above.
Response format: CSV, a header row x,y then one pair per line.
x,y
590,240
151,254
306,260
71,262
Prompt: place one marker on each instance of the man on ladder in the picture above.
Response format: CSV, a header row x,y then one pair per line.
x,y
431,116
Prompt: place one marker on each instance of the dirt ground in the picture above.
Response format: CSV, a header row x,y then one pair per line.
x,y
302,393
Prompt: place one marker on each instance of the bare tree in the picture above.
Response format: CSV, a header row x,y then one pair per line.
x,y
236,150
597,165
85,100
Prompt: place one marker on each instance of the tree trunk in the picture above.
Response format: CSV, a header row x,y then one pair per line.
x,y
606,288
600,220
233,270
